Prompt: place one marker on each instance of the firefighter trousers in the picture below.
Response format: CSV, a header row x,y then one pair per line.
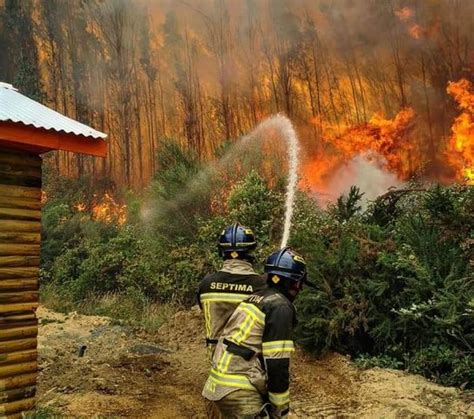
x,y
240,404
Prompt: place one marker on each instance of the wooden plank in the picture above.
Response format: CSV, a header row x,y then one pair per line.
x,y
18,381
18,357
31,204
20,226
18,369
19,261
18,297
18,333
33,182
18,345
17,406
14,249
19,169
17,394
20,158
19,214
20,192
14,272
13,308
18,284
23,238
18,319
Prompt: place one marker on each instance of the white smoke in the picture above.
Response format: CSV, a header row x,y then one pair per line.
x,y
364,171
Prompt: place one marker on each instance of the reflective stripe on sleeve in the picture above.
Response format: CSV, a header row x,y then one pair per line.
x,y
276,346
279,399
223,296
253,311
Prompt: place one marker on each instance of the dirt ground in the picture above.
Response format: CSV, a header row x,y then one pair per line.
x,y
124,372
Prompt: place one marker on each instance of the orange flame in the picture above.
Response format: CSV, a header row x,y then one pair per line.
x,y
460,152
383,140
404,14
416,31
105,209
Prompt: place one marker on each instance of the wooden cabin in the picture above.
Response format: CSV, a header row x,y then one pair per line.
x,y
27,130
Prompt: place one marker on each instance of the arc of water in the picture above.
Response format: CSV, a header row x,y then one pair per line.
x,y
288,133
284,127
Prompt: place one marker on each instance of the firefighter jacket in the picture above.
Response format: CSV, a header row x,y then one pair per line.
x,y
220,293
254,350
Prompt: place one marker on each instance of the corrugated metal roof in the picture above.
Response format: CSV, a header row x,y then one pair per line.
x,y
15,107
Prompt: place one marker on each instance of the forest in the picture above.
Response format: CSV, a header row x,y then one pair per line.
x,y
381,94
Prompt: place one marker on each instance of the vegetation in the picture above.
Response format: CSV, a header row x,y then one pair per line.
x,y
204,72
393,284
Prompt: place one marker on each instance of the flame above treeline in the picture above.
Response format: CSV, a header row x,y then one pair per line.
x,y
391,145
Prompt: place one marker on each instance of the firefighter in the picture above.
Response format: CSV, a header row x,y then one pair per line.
x,y
220,293
250,369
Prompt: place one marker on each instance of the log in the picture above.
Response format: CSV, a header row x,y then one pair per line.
x,y
31,204
18,345
20,159
18,381
19,249
11,273
17,394
23,238
17,406
19,170
18,284
20,226
20,192
19,214
14,320
33,182
18,357
13,308
18,297
18,369
18,332
20,261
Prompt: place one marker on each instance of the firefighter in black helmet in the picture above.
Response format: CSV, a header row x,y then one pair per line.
x,y
220,293
250,369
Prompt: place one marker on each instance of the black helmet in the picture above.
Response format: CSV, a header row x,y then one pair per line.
x,y
285,263
236,242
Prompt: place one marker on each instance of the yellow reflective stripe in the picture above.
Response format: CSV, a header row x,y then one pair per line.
x,y
207,318
232,380
223,360
224,296
250,308
278,346
279,399
241,330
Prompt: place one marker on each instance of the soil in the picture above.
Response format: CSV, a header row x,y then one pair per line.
x,y
92,366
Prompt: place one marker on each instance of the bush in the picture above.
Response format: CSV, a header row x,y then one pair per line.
x,y
393,284
398,286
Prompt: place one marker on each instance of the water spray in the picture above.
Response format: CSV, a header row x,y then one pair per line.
x,y
284,128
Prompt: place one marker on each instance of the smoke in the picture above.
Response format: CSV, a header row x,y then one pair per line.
x,y
364,171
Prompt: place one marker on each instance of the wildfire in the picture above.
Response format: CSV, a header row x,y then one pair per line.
x,y
384,141
105,209
404,14
416,31
460,152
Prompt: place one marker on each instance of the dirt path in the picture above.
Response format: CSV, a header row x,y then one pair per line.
x,y
124,372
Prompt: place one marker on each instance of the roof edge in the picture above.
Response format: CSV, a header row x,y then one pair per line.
x,y
27,137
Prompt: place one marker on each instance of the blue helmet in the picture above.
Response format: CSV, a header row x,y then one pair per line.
x,y
236,242
286,263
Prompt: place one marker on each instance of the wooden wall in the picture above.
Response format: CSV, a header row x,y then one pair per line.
x,y
20,226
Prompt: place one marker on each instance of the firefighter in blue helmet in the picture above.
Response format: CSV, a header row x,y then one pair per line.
x,y
250,369
220,292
